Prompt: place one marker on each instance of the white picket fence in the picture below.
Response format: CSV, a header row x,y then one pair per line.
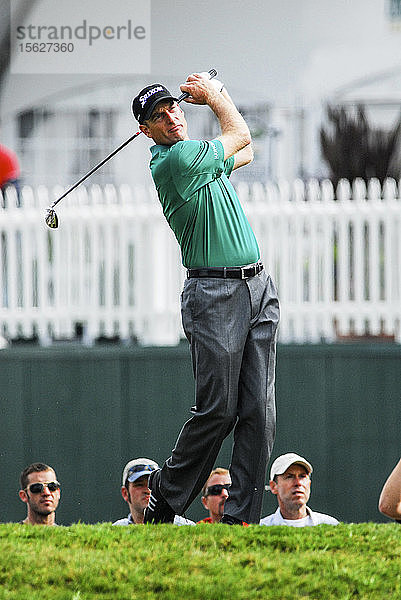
x,y
113,266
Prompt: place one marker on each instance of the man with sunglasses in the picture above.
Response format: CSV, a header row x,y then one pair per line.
x,y
40,491
136,492
215,493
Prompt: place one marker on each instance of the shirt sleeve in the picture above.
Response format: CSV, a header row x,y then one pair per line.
x,y
194,164
229,165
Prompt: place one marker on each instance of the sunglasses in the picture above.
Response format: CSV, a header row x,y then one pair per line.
x,y
215,490
37,488
139,468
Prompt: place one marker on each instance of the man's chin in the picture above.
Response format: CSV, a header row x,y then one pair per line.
x,y
178,134
178,137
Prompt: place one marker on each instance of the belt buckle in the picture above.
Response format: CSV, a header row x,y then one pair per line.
x,y
249,271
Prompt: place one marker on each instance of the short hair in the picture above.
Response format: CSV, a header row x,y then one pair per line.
x,y
216,471
33,468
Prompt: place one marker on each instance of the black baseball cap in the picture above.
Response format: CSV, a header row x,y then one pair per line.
x,y
144,103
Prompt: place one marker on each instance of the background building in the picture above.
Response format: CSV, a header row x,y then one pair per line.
x,y
281,61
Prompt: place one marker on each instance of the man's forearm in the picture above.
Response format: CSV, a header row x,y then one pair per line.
x,y
235,133
390,497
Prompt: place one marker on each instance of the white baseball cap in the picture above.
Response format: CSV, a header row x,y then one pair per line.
x,y
284,461
138,467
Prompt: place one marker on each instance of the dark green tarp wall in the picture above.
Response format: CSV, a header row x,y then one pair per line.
x,y
87,411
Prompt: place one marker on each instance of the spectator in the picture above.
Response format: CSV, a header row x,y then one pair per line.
x,y
290,482
40,491
136,493
215,494
9,169
390,497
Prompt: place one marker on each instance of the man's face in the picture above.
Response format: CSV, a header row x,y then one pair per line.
x,y
43,503
138,494
167,124
215,504
292,487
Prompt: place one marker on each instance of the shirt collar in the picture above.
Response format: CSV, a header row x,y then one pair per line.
x,y
158,149
309,513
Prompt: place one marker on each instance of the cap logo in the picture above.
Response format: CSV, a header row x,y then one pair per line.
x,y
143,99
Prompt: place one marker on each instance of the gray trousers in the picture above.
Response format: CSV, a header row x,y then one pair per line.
x,y
231,326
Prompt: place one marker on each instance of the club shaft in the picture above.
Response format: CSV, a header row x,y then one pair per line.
x,y
212,74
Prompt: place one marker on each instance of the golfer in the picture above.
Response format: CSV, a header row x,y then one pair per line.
x,y
229,304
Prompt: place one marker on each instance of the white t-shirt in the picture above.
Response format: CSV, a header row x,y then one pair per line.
x,y
312,518
177,521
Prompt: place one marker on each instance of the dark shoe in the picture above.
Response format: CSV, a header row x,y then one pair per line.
x,y
157,511
228,520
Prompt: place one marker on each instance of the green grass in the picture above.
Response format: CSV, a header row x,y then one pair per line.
x,y
206,562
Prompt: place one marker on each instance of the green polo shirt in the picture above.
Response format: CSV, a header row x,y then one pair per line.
x,y
201,206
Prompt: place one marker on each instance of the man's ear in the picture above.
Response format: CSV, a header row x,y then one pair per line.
x,y
23,495
124,493
273,487
204,502
145,130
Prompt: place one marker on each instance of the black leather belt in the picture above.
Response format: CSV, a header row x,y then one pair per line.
x,y
227,272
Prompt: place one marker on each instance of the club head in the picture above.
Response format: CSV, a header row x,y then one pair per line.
x,y
51,218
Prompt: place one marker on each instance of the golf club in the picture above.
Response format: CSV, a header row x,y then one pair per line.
x,y
51,218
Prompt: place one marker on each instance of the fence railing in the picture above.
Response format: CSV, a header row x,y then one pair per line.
x,y
113,267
